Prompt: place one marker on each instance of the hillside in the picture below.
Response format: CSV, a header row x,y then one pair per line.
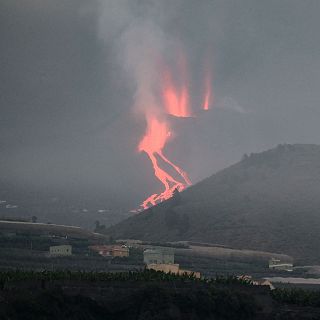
x,y
268,201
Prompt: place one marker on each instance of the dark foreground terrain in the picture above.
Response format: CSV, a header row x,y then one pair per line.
x,y
145,295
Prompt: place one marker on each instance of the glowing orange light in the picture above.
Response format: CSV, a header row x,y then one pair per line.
x,y
176,103
152,144
176,97
208,96
175,100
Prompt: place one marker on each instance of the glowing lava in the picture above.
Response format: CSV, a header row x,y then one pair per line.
x,y
176,97
173,99
153,142
208,96
176,102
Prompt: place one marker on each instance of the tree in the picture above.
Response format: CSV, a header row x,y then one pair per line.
x,y
34,219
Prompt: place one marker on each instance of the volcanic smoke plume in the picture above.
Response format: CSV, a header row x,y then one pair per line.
x,y
158,66
175,102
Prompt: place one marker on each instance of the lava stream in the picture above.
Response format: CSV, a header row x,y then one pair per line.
x,y
152,144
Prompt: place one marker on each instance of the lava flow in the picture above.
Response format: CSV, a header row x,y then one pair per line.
x,y
175,101
153,142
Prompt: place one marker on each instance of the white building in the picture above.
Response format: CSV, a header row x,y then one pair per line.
x,y
276,264
158,256
63,250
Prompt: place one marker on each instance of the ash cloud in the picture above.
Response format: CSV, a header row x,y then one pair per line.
x,y
68,86
136,33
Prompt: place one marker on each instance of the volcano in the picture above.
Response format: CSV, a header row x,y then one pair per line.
x,y
174,102
268,201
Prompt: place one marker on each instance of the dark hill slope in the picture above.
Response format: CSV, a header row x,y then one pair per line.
x,y
268,201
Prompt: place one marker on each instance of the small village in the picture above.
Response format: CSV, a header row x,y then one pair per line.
x,y
57,247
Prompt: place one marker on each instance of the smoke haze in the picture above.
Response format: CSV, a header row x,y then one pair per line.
x,y
78,77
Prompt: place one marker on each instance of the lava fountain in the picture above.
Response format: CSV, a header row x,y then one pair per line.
x,y
174,101
176,96
208,95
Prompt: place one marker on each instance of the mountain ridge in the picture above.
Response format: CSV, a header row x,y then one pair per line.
x,y
268,201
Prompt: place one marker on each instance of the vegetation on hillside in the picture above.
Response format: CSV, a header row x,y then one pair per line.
x,y
297,296
143,296
145,275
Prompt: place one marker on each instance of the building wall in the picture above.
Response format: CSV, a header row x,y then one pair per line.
x,y
111,250
160,256
63,250
119,251
152,257
168,257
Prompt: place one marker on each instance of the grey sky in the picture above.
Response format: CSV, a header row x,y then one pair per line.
x,y
66,97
